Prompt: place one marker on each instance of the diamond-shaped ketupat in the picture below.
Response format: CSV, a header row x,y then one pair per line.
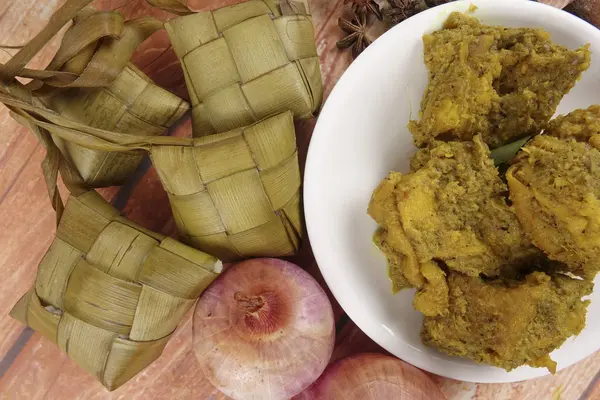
x,y
248,61
110,293
236,194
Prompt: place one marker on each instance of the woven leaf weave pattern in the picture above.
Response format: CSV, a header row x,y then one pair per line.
x,y
131,104
246,62
110,293
236,194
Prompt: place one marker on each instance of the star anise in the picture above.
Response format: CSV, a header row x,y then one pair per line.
x,y
402,9
366,6
356,37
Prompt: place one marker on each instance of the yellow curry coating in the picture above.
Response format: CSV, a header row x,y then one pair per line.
x,y
581,125
508,324
555,189
502,83
449,213
487,293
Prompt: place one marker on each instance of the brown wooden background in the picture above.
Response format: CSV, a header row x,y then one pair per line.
x,y
32,368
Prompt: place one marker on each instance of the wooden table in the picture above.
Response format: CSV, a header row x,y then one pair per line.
x,y
31,367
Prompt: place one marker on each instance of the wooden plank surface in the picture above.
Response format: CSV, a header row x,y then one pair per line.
x,y
32,368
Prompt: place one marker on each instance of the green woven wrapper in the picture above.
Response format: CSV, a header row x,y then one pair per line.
x,y
236,194
110,293
90,80
131,104
248,61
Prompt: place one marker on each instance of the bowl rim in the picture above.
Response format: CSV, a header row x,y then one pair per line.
x,y
319,242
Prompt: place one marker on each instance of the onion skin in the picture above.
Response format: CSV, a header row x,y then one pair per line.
x,y
371,376
263,330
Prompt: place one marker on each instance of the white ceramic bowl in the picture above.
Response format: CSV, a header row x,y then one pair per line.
x,y
361,135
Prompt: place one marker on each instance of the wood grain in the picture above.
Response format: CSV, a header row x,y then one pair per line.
x,y
33,368
26,223
586,9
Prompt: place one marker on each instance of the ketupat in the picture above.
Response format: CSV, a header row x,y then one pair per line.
x,y
131,104
237,194
255,210
509,323
502,83
248,61
110,293
91,81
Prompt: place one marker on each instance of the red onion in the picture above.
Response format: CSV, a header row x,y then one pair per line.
x,y
372,376
263,330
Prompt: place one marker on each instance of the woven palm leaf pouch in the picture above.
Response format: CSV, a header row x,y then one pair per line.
x,y
234,194
133,103
248,61
90,80
110,293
